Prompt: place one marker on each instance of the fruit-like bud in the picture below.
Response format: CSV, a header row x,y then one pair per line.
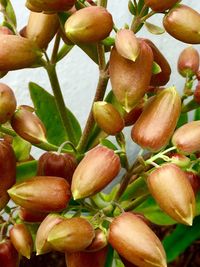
x,y
180,160
57,164
153,129
127,44
163,77
5,30
132,116
127,263
41,193
7,103
89,259
183,23
4,199
197,93
89,25
21,239
96,170
160,6
8,254
188,62
26,52
41,28
99,241
41,244
49,5
71,235
28,126
194,180
31,216
130,80
173,192
186,138
108,117
136,242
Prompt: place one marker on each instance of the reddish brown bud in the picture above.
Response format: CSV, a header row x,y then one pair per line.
x,y
21,240
197,93
130,80
163,77
28,126
108,117
179,160
49,5
26,52
41,28
89,25
153,129
186,138
173,192
71,235
194,180
31,216
55,164
41,193
4,199
96,170
5,30
198,75
131,117
160,6
136,242
90,259
188,62
41,243
99,241
183,23
127,263
127,44
7,103
8,254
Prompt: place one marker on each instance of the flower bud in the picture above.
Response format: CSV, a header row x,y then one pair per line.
x,y
4,199
194,180
132,116
173,192
183,23
153,129
89,25
7,103
127,44
5,30
17,52
127,263
28,126
186,138
41,243
136,242
21,240
41,28
188,62
31,216
96,170
163,77
90,259
160,6
8,254
71,235
197,93
49,5
55,164
41,193
130,80
108,117
99,241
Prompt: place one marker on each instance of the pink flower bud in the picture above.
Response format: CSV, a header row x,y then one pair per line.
x,y
49,5
160,6
7,103
188,62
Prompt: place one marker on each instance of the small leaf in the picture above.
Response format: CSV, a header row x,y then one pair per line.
x,y
182,120
191,105
197,114
47,111
10,12
21,148
131,8
26,170
108,143
156,68
90,50
109,41
154,29
63,51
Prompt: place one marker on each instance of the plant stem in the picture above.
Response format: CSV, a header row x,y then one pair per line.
x,y
134,204
55,49
102,3
51,70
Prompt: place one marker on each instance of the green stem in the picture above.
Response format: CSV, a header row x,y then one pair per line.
x,y
102,3
55,49
138,201
51,70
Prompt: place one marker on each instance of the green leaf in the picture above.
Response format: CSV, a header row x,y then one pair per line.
x,y
110,98
108,143
180,239
154,29
91,51
63,51
131,7
156,68
190,106
152,212
47,111
10,12
21,148
26,170
183,119
197,114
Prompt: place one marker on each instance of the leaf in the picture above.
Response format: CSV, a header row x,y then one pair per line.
x,y
63,51
156,68
26,170
180,239
154,29
131,7
109,257
47,111
11,13
183,119
91,51
152,212
197,114
190,106
21,148
108,143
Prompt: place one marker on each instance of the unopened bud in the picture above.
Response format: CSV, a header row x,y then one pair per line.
x,y
99,241
197,93
194,180
160,6
8,254
49,5
7,103
31,216
132,116
179,160
5,30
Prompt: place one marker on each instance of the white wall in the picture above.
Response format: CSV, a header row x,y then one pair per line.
x,y
78,74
